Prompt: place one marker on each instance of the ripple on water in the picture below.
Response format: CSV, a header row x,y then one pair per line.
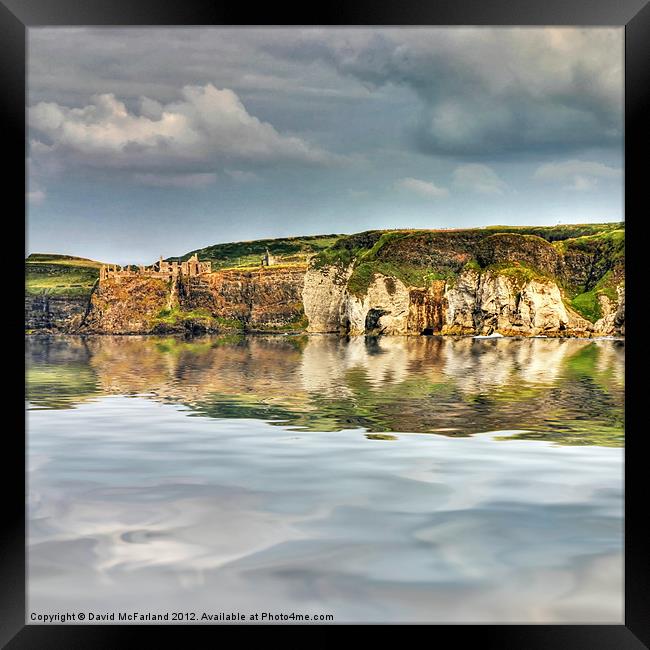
x,y
416,479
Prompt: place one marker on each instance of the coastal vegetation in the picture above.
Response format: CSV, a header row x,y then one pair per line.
x,y
171,317
247,254
60,275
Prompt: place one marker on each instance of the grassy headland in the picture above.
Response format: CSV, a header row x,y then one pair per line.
x,y
60,275
245,254
586,260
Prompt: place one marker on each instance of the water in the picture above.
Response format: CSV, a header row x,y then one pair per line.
x,y
392,479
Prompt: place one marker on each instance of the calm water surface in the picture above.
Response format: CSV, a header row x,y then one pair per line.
x,y
392,479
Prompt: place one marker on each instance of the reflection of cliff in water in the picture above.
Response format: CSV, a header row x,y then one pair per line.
x,y
567,390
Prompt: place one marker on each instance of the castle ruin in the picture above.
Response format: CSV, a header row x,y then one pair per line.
x,y
268,259
160,269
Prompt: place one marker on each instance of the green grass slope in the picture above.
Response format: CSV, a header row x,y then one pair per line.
x,y
60,275
288,250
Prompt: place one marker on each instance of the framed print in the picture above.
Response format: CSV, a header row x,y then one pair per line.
x,y
327,320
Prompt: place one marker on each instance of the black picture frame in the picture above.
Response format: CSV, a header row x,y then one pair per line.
x,y
16,16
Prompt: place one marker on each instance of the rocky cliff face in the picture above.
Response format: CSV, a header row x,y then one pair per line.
x,y
384,309
487,303
613,320
268,299
474,304
126,305
54,313
323,294
472,282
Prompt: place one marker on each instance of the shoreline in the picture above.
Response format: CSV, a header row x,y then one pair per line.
x,y
181,335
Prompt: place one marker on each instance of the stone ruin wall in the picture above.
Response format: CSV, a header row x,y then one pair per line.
x,y
161,269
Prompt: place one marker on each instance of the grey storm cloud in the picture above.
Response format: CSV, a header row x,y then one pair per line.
x,y
488,91
479,91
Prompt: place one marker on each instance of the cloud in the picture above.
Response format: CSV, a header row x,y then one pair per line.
x,y
579,175
156,61
478,178
36,197
475,91
358,194
423,188
192,181
207,126
242,176
488,91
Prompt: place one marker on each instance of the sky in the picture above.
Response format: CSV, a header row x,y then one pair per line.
x,y
157,141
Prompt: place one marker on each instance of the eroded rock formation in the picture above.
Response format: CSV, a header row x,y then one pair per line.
x,y
54,313
474,303
268,299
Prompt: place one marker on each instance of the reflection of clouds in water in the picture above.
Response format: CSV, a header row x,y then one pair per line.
x,y
143,507
187,533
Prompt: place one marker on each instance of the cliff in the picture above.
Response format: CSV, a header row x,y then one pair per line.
x,y
562,281
264,299
54,313
57,291
553,281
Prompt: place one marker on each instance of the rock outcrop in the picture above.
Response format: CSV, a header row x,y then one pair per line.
x,y
488,303
564,281
52,313
384,309
127,305
268,299
472,304
322,296
613,319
